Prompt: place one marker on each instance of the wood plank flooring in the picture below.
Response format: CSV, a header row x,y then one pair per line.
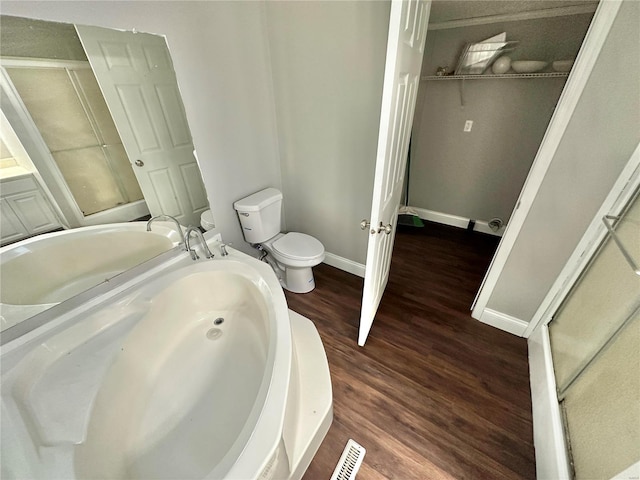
x,y
434,394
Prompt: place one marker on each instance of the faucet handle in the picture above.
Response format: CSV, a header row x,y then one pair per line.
x,y
223,249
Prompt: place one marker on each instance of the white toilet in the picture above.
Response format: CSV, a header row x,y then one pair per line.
x,y
292,255
206,220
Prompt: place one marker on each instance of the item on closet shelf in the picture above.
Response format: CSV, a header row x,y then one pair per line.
x,y
501,65
528,66
477,57
562,65
441,71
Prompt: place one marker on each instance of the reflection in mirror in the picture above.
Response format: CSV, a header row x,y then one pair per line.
x,y
93,132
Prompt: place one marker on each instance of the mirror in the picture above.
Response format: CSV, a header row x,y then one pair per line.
x,y
93,132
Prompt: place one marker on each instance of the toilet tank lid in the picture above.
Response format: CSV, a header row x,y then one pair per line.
x,y
258,200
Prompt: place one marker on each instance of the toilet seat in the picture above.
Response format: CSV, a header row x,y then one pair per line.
x,y
299,247
206,220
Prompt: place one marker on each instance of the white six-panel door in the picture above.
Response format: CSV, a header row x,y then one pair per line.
x,y
405,48
135,74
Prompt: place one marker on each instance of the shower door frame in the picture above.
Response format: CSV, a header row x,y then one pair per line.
x,y
552,459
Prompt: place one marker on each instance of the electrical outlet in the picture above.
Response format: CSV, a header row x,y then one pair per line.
x,y
468,125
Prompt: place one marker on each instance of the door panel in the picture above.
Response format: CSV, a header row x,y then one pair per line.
x,y
405,46
136,76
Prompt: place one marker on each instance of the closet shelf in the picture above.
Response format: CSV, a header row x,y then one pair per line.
x,y
612,222
429,78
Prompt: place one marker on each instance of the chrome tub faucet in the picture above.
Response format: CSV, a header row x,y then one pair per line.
x,y
170,218
187,242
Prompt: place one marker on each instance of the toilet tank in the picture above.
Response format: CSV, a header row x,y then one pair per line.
x,y
259,215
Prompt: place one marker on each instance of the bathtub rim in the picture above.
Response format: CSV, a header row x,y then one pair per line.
x,y
7,251
31,328
24,247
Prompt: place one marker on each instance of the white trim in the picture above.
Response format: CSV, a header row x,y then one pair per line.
x,y
552,460
455,221
514,17
344,264
621,192
504,322
578,78
21,62
133,210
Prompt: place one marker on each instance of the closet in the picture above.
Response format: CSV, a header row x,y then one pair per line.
x,y
475,137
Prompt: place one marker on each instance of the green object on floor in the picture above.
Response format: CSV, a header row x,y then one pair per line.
x,y
406,215
410,220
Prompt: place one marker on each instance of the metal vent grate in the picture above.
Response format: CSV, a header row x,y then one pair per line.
x,y
350,462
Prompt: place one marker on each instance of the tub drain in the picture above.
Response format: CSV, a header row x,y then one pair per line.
x,y
214,333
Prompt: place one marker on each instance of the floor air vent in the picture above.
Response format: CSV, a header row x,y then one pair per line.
x,y
350,462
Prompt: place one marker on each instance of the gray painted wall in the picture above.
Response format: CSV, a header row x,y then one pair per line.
x,y
221,59
601,135
328,68
479,174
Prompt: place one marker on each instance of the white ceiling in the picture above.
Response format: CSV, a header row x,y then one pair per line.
x,y
449,10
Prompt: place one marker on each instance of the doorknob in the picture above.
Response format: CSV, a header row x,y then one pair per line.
x,y
364,224
139,163
385,228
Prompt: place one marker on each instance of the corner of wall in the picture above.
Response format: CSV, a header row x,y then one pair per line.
x,y
273,100
502,321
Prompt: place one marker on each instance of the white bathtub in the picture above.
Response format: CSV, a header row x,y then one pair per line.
x,y
151,384
45,270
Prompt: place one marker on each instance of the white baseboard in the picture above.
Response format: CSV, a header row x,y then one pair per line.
x,y
504,322
344,264
548,433
456,221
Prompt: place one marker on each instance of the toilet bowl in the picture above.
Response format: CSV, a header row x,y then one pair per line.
x,y
206,220
292,255
295,254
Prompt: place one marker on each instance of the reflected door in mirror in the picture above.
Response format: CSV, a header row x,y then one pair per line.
x,y
135,73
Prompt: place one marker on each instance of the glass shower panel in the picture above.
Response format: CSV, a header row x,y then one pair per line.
x,y
88,175
606,296
72,117
602,409
54,107
108,134
90,90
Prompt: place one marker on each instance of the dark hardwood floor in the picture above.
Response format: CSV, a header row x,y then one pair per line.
x,y
434,393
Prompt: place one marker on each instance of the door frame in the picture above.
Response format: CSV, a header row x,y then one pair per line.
x,y
589,52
